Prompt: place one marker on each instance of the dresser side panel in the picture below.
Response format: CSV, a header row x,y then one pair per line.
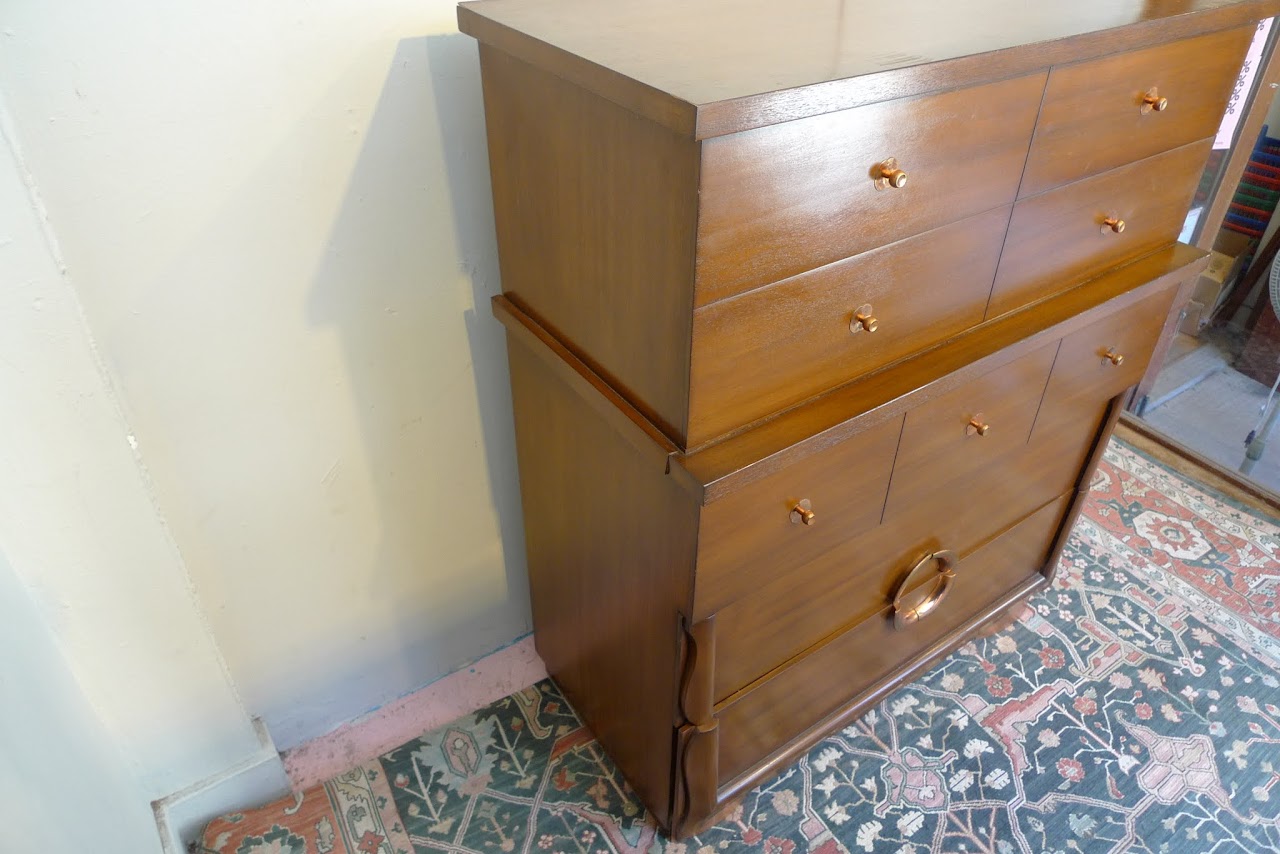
x,y
596,211
610,544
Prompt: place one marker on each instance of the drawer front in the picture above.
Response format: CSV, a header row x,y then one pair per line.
x,y
856,579
1085,376
1094,117
975,427
852,664
754,535
763,351
1060,239
780,200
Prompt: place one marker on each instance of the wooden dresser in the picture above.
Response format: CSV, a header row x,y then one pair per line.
x,y
819,315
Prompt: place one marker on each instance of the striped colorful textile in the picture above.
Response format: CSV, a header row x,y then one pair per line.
x,y
1255,199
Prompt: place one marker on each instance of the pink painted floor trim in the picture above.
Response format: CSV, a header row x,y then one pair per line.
x,y
491,678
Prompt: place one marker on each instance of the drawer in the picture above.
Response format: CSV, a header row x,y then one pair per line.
x,y
856,578
752,536
1085,377
855,663
1060,239
779,200
976,426
763,351
1093,118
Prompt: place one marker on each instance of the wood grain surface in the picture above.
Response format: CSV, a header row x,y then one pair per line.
x,y
788,198
950,489
1092,119
832,676
748,539
766,350
609,541
736,462
1083,378
857,578
940,453
595,211
723,484
722,66
1057,240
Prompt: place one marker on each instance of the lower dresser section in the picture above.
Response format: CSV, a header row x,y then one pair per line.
x,y
866,661
711,614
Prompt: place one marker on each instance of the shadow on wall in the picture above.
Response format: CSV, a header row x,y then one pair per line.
x,y
409,267
455,76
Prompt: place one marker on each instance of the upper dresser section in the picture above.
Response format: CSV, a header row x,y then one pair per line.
x,y
719,266
720,66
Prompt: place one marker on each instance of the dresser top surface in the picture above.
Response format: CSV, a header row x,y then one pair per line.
x,y
711,52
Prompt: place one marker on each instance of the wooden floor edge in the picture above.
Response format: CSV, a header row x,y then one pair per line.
x,y
1185,460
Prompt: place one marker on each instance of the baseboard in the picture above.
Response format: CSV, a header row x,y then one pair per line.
x,y
262,778
258,779
491,678
1202,469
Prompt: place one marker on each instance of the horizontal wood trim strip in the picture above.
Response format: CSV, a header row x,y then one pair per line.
x,y
616,411
729,465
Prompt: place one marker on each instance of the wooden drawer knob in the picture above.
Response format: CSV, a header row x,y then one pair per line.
x,y
1113,225
1152,101
904,614
863,320
888,176
1113,357
802,512
977,426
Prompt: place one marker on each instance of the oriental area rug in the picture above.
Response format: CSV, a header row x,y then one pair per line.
x,y
1134,706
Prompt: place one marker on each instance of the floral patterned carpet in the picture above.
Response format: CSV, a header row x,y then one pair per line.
x,y
1133,707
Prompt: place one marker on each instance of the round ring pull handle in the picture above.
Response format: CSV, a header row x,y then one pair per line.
x,y
802,513
1151,101
1113,225
1113,357
904,614
887,175
863,320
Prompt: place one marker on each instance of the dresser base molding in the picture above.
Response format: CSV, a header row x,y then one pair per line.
x,y
697,736
695,802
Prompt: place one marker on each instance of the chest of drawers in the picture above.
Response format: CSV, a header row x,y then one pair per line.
x,y
817,324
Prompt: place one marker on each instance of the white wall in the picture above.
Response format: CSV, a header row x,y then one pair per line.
x,y
114,678
277,218
62,781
